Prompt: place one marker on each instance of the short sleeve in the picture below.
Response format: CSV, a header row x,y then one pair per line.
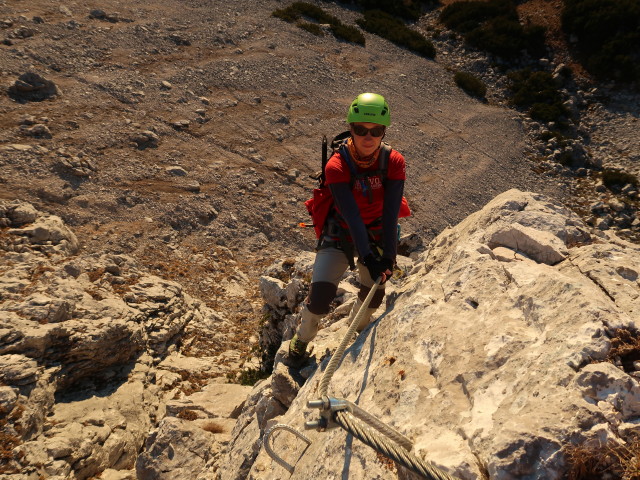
x,y
336,170
397,167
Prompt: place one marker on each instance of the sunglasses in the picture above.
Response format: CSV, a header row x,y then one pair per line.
x,y
361,131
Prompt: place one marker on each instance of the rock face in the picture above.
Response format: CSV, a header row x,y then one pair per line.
x,y
91,364
498,348
491,360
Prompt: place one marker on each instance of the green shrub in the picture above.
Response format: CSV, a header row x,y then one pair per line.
x,y
294,12
470,84
407,9
608,36
543,112
312,28
537,91
348,33
507,38
287,14
394,30
494,26
312,11
251,376
609,65
467,16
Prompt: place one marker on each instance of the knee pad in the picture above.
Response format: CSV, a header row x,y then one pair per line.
x,y
321,294
376,301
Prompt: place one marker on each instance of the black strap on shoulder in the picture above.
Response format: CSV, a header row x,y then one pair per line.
x,y
336,144
383,159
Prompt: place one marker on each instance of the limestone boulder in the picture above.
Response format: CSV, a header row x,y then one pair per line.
x,y
90,357
488,363
32,230
189,439
178,449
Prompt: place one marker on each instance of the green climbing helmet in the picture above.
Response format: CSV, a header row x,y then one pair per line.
x,y
369,107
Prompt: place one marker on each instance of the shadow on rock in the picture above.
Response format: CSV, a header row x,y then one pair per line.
x,y
31,87
101,384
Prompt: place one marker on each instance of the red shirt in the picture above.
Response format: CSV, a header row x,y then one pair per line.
x,y
337,171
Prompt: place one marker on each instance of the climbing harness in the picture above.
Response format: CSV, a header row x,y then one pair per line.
x,y
326,219
365,427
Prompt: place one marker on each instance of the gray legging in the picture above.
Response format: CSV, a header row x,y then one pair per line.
x,y
329,267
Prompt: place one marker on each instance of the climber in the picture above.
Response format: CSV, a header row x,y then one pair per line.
x,y
367,202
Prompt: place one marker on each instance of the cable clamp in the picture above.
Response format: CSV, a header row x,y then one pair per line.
x,y
327,406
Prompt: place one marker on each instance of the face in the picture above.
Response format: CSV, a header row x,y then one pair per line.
x,y
366,145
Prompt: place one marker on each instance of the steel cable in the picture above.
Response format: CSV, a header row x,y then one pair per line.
x,y
362,425
371,438
337,356
380,426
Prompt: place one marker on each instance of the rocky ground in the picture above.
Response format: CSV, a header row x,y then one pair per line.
x,y
183,134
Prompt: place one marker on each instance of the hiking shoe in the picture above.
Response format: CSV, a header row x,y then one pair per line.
x,y
297,348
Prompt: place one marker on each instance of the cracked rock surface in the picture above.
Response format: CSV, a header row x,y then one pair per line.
x,y
485,362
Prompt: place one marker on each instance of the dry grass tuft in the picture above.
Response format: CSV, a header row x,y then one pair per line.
x,y
95,274
595,462
629,458
614,461
586,462
213,427
8,441
187,415
196,381
625,348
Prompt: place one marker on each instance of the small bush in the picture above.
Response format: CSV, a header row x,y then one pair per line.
x,y
531,87
213,427
312,28
348,33
287,14
407,9
507,38
298,9
494,26
608,37
187,415
544,112
251,376
294,12
470,84
394,30
537,91
615,460
467,16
